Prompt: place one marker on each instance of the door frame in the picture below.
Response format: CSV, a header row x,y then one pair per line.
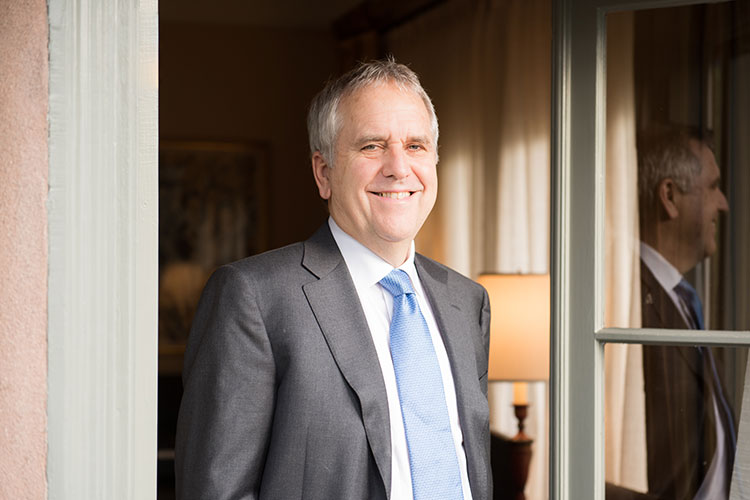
x,y
103,249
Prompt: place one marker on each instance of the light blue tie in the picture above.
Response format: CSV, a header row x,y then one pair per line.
x,y
432,455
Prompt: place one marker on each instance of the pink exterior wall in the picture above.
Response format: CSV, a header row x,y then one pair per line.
x,y
23,248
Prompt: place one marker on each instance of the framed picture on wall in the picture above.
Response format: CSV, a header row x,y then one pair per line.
x,y
212,210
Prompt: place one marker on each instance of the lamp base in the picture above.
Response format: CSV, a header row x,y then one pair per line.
x,y
520,455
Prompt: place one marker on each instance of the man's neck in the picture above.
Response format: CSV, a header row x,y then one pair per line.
x,y
670,249
394,253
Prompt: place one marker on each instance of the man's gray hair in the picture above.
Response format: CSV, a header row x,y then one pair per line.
x,y
667,155
323,119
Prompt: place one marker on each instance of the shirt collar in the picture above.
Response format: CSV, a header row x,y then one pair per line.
x,y
665,273
365,267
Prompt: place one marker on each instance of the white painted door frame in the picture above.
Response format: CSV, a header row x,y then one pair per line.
x,y
103,248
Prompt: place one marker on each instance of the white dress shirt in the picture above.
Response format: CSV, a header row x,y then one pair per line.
x,y
366,270
714,485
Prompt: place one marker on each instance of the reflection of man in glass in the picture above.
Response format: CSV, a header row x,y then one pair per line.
x,y
689,426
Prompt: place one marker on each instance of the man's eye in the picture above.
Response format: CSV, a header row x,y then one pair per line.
x,y
415,147
369,147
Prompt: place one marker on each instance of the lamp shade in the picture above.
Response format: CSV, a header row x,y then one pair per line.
x,y
519,328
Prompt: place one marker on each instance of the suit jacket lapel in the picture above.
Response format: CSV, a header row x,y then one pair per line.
x,y
335,303
659,311
460,348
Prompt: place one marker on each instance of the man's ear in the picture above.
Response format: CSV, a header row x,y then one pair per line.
x,y
668,196
321,172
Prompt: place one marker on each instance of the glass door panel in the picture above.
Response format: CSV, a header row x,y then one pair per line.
x,y
676,228
667,85
677,176
671,418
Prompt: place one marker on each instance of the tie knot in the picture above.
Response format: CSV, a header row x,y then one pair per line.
x,y
686,292
397,283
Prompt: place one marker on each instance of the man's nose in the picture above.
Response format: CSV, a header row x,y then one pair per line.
x,y
723,205
396,163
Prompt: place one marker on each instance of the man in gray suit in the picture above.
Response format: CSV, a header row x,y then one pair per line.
x,y
346,366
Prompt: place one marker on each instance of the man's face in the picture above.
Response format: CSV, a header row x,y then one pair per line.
x,y
383,183
699,207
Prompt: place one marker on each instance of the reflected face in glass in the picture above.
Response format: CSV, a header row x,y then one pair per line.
x,y
699,207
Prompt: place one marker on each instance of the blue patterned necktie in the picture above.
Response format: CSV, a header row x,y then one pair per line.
x,y
432,455
690,297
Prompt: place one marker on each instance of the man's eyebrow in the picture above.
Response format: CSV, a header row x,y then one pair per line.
x,y
370,138
419,138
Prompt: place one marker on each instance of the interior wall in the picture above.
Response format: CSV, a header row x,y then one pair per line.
x,y
23,248
244,83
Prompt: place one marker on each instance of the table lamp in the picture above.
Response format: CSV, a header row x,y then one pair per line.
x,y
519,349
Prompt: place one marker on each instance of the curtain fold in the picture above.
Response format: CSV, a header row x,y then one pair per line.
x,y
624,407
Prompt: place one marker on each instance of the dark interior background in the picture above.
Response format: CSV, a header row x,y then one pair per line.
x,y
240,74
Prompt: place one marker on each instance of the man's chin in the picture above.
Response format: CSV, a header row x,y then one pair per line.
x,y
709,250
395,238
394,230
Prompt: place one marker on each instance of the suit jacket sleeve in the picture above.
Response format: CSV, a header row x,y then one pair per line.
x,y
227,407
484,323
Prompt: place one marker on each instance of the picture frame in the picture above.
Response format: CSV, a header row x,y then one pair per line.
x,y
212,210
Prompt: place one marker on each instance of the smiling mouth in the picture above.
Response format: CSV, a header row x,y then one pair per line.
x,y
400,195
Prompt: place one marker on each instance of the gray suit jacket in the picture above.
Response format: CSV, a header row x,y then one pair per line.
x,y
283,393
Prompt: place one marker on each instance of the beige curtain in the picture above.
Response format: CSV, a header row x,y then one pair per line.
x,y
486,64
624,411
